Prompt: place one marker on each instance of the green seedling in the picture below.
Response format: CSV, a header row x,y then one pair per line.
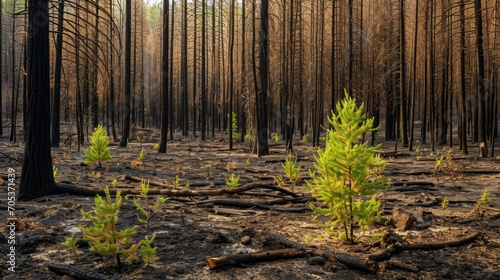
x,y
141,155
148,208
292,170
304,138
233,181
437,166
234,122
99,147
347,169
485,198
176,181
147,252
70,244
276,137
54,173
444,205
103,236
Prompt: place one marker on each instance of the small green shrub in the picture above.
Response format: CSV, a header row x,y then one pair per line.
x,y
234,122
176,181
347,169
233,181
147,252
54,173
276,137
292,170
142,155
70,244
147,209
99,147
485,198
103,236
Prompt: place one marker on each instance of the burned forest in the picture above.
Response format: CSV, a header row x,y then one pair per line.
x,y
259,139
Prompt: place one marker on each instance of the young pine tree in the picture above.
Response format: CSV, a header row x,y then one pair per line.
x,y
346,170
103,236
99,147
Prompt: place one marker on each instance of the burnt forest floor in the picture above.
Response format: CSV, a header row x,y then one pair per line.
x,y
189,229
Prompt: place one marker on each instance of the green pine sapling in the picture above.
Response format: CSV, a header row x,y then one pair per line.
x,y
147,252
54,173
234,122
103,236
292,170
147,210
99,147
347,169
444,205
70,243
233,181
142,156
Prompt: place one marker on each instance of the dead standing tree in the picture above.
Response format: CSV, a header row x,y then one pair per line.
x,y
36,176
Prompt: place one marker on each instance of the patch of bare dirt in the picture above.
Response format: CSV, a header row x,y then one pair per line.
x,y
189,229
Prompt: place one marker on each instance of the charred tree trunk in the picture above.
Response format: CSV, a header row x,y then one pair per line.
x,y
463,105
203,72
112,78
481,91
128,41
56,103
36,176
403,119
1,76
184,71
164,82
171,74
261,98
231,74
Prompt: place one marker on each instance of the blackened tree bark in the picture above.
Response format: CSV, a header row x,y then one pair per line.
x,y
128,41
463,106
403,119
112,76
171,74
203,72
195,54
231,74
184,71
351,49
56,103
36,176
481,106
1,77
164,82
94,99
261,98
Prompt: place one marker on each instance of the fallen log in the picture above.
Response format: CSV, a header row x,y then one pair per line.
x,y
78,273
439,245
246,187
238,259
251,204
394,249
77,190
351,261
